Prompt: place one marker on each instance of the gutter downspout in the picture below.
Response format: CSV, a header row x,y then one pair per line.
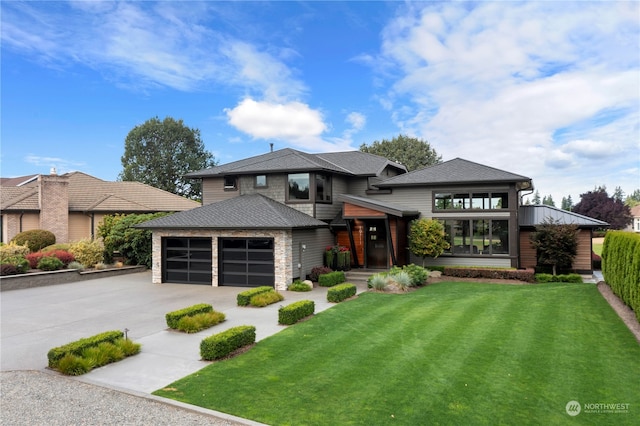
x,y
519,247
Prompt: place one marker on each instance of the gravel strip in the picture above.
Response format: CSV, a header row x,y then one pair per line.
x,y
625,313
38,398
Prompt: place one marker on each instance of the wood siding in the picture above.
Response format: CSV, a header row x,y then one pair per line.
x,y
582,262
351,211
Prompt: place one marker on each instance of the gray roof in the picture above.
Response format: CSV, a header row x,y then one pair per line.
x,y
290,160
456,171
253,211
533,215
382,206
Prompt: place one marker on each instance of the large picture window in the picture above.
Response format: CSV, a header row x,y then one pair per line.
x,y
314,187
470,200
299,187
477,236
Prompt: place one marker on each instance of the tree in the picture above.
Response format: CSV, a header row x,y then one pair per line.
x,y
633,199
618,194
598,205
556,244
548,201
161,153
567,203
413,153
536,198
427,238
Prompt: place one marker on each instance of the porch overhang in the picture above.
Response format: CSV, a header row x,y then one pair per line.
x,y
372,208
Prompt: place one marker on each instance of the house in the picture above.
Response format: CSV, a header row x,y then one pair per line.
x,y
635,224
73,204
267,220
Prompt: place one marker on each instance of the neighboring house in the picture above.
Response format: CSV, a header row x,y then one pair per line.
x,y
533,215
268,219
73,204
635,224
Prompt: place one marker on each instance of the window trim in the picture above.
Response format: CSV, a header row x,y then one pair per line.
x,y
449,197
312,189
470,221
233,187
257,185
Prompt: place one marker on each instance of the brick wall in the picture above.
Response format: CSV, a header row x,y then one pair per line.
x,y
54,205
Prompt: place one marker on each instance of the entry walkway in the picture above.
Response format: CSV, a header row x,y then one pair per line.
x,y
36,320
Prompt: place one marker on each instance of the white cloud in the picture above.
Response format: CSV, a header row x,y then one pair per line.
x,y
61,165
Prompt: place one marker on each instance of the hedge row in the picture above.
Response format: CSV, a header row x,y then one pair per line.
x,y
331,279
244,298
527,275
341,292
172,318
75,348
621,267
294,312
222,344
562,278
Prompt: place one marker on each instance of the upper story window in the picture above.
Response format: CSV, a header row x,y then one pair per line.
x,y
299,187
314,187
230,183
471,200
260,181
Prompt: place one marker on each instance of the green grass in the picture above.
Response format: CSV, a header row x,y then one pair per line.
x,y
449,353
597,249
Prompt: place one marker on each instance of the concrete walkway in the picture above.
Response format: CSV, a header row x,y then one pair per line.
x,y
38,319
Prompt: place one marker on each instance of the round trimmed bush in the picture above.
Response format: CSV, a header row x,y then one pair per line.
x,y
50,263
35,239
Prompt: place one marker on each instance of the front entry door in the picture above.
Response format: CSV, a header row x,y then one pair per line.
x,y
376,244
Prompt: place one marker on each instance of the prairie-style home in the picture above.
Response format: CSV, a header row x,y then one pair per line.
x,y
268,219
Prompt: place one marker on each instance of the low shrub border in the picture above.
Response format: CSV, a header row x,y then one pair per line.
x,y
244,298
261,300
295,311
331,279
222,344
562,278
527,275
341,292
75,348
173,318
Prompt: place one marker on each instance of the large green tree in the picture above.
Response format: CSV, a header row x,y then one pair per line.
x,y
413,153
160,153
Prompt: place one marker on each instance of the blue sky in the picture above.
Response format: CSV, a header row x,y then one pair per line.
x,y
549,90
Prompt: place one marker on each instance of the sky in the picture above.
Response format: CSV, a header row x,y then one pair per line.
x,y
548,89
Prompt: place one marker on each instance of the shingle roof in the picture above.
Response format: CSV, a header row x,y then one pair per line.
x,y
382,206
456,171
533,215
253,211
90,194
290,160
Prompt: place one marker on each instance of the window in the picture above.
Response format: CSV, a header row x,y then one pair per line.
x,y
474,200
230,183
261,181
323,188
299,187
477,236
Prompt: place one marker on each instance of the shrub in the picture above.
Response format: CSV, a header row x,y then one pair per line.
x,y
417,273
73,365
244,297
621,266
222,344
173,318
267,298
12,250
75,348
34,259
18,262
341,292
526,275
111,352
75,265
317,271
544,278
562,278
8,269
64,256
298,285
35,239
402,280
199,322
596,261
331,279
294,312
48,263
88,252
128,347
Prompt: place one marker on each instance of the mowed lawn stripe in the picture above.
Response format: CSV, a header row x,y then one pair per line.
x,y
451,353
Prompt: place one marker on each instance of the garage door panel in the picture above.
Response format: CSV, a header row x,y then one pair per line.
x,y
246,261
187,260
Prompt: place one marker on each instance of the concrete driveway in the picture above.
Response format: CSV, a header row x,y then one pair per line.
x,y
38,319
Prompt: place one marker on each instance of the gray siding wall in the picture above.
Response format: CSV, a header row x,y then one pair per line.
x,y
463,261
213,191
315,240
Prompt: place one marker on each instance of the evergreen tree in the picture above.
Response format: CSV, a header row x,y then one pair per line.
x,y
413,153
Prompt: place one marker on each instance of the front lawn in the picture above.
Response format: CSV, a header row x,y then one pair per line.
x,y
449,353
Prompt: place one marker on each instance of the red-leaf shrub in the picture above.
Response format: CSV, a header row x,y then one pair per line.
x,y
526,275
64,256
34,258
317,271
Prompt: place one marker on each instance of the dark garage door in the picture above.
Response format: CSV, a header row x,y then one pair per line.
x,y
186,260
246,262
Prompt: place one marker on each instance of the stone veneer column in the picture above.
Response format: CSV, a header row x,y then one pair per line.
x,y
54,205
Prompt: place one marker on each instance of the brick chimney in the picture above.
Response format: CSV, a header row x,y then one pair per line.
x,y
54,205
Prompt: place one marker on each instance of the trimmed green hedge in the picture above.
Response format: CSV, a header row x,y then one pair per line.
x,y
244,298
75,348
294,312
526,275
562,278
331,279
222,344
172,318
621,267
341,292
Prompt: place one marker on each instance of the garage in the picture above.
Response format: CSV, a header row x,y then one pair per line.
x,y
246,262
186,260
